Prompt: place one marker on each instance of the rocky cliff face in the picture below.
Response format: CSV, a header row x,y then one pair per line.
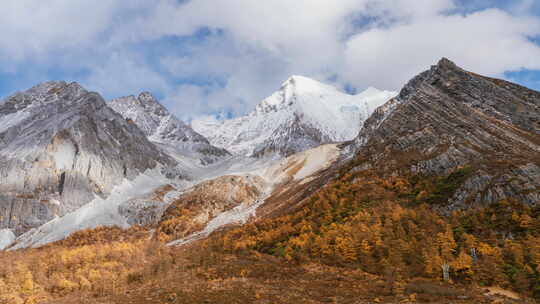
x,y
165,130
447,118
61,145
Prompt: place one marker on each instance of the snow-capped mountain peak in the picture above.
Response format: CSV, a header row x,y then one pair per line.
x,y
302,114
370,91
147,97
294,86
304,84
144,110
300,85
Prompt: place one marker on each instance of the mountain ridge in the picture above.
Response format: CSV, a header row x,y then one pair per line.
x,y
460,118
436,195
302,114
164,129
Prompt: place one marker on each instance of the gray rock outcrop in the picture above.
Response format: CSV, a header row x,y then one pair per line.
x,y
60,146
447,118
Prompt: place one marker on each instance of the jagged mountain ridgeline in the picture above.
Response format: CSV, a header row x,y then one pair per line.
x,y
447,118
64,147
165,130
419,195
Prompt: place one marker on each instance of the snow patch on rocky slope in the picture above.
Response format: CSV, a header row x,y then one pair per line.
x,y
7,237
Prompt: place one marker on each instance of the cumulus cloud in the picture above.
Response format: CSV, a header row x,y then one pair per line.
x,y
121,73
403,38
204,56
488,42
31,28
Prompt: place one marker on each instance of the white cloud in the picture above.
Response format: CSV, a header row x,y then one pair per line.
x,y
255,45
31,28
487,42
406,10
189,101
311,37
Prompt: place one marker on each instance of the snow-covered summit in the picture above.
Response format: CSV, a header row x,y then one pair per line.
x,y
164,129
302,114
295,85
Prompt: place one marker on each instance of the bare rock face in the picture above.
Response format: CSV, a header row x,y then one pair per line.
x,y
61,145
447,118
165,130
520,183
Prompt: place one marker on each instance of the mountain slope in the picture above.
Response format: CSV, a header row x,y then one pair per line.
x,y
242,196
60,147
164,129
303,114
131,202
441,184
447,118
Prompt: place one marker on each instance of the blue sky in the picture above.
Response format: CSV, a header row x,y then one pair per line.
x,y
208,57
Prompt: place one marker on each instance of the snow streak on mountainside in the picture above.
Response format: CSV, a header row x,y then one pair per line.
x,y
144,199
303,114
164,129
60,146
100,212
